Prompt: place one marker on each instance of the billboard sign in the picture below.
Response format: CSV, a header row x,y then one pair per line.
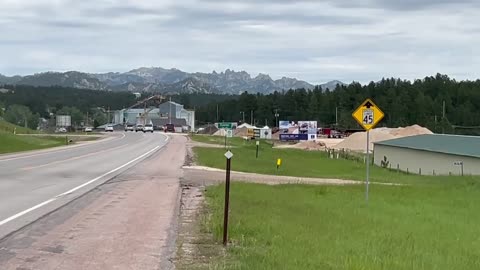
x,y
293,137
283,124
308,127
64,120
287,124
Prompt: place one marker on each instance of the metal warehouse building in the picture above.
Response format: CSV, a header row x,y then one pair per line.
x,y
167,110
431,154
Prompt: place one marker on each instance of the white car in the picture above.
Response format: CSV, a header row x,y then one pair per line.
x,y
129,127
109,128
88,129
138,128
148,128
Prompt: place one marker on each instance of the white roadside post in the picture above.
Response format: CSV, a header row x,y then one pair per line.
x,y
229,156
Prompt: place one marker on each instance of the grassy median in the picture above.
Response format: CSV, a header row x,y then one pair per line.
x,y
14,143
324,227
28,139
299,163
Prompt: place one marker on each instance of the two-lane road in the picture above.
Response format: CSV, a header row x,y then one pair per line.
x,y
34,184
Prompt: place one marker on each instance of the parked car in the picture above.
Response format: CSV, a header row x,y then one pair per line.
x,y
138,127
88,129
61,130
129,127
169,128
109,128
148,128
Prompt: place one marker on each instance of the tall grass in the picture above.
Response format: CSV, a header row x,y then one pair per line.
x,y
320,227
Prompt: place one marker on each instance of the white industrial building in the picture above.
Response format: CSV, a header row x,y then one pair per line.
x,y
431,154
168,110
175,110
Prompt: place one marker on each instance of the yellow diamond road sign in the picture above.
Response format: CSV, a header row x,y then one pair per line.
x,y
368,114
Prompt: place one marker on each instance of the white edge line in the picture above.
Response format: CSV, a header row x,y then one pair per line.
x,y
73,189
107,173
26,211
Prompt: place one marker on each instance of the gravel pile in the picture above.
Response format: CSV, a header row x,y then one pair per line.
x,y
305,145
220,132
358,141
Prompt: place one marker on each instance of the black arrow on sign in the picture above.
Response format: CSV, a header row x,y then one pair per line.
x,y
368,105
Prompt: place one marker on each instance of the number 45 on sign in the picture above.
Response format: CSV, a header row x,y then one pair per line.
x,y
368,114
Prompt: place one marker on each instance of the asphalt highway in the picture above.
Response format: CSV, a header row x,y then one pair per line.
x,y
36,183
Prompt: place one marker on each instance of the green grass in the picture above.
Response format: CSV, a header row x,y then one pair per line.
x,y
431,223
14,143
11,143
326,227
6,127
300,163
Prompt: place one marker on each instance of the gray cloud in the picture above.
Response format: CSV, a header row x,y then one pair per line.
x,y
315,41
405,5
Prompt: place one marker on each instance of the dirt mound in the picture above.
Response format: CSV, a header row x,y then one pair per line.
x,y
330,142
410,131
276,135
241,132
220,132
209,130
305,145
358,141
311,145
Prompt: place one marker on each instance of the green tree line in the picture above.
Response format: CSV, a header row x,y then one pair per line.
x,y
24,105
403,102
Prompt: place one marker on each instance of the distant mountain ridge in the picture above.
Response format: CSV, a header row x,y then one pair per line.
x,y
171,81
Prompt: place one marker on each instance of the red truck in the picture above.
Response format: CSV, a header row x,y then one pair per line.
x,y
330,133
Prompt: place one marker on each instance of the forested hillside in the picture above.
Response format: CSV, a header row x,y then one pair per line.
x,y
42,100
403,102
24,105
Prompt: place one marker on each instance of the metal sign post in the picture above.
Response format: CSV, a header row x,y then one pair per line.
x,y
368,164
459,163
229,156
368,115
258,143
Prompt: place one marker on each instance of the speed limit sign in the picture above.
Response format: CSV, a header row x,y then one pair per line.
x,y
368,114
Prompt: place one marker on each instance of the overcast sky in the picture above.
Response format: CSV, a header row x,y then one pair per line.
x,y
316,41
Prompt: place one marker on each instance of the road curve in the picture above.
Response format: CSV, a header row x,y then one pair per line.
x,y
34,184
